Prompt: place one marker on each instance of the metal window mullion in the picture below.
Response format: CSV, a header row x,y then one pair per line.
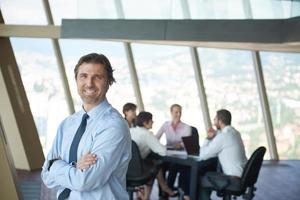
x,y
198,73
265,105
201,88
262,92
59,60
130,60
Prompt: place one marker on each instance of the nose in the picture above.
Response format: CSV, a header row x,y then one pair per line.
x,y
89,82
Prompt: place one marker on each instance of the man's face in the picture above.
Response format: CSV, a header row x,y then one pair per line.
x,y
176,113
92,84
217,122
130,114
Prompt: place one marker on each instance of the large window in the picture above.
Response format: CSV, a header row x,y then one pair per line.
x,y
43,86
214,9
155,9
282,78
230,83
70,9
23,12
166,77
165,73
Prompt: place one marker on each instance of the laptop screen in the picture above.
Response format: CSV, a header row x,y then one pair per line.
x,y
191,145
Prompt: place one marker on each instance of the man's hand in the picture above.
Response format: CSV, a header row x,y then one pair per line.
x,y
86,161
211,133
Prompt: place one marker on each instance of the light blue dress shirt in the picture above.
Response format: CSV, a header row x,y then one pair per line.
x,y
107,135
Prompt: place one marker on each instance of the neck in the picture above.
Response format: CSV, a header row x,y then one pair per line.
x,y
175,122
87,107
130,121
222,126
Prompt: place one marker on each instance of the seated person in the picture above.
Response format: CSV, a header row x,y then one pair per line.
x,y
174,131
226,144
148,145
129,111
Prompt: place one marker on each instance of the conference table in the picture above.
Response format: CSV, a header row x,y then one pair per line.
x,y
196,165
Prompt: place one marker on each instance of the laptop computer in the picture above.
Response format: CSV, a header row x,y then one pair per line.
x,y
191,145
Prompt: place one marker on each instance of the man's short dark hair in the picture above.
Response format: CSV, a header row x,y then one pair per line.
x,y
142,118
225,116
129,106
96,59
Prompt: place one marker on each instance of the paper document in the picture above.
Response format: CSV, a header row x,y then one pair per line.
x,y
176,153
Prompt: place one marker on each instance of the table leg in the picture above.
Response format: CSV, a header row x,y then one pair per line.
x,y
194,182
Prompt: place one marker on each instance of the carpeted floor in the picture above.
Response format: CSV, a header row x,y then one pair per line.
x,y
31,190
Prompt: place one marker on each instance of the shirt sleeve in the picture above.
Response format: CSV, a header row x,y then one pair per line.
x,y
211,148
47,178
160,131
110,147
154,144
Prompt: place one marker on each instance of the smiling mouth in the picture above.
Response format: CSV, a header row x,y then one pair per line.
x,y
89,92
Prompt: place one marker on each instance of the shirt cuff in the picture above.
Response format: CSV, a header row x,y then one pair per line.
x,y
50,163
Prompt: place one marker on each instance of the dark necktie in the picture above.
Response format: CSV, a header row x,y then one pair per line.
x,y
73,151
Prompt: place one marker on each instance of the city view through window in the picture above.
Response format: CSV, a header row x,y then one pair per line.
x,y
165,72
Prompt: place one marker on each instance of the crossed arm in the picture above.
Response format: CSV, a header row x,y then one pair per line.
x,y
92,169
86,161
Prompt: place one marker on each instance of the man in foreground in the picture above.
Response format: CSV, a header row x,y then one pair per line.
x,y
92,148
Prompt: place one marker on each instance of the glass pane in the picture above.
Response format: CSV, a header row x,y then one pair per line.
x,y
121,91
262,9
98,9
23,12
166,77
272,9
295,9
282,79
155,9
43,86
215,9
230,83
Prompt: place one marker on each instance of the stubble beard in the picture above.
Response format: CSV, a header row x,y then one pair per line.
x,y
90,100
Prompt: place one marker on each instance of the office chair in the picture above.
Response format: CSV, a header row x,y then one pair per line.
x,y
195,136
139,173
245,186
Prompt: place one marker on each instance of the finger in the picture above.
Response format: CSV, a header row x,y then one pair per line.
x,y
90,161
90,155
82,166
91,158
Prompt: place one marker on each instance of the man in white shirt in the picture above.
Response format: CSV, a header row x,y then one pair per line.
x,y
226,144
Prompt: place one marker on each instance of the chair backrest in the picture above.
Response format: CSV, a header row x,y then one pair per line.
x,y
135,167
252,168
195,136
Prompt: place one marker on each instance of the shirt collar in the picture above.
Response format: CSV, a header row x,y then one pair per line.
x,y
96,110
225,129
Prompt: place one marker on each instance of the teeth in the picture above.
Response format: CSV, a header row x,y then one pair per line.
x,y
89,91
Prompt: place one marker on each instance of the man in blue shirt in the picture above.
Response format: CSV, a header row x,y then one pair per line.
x,y
97,134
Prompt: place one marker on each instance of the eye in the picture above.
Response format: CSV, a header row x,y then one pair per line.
x,y
82,76
98,77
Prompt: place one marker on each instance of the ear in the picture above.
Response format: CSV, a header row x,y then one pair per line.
x,y
145,124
